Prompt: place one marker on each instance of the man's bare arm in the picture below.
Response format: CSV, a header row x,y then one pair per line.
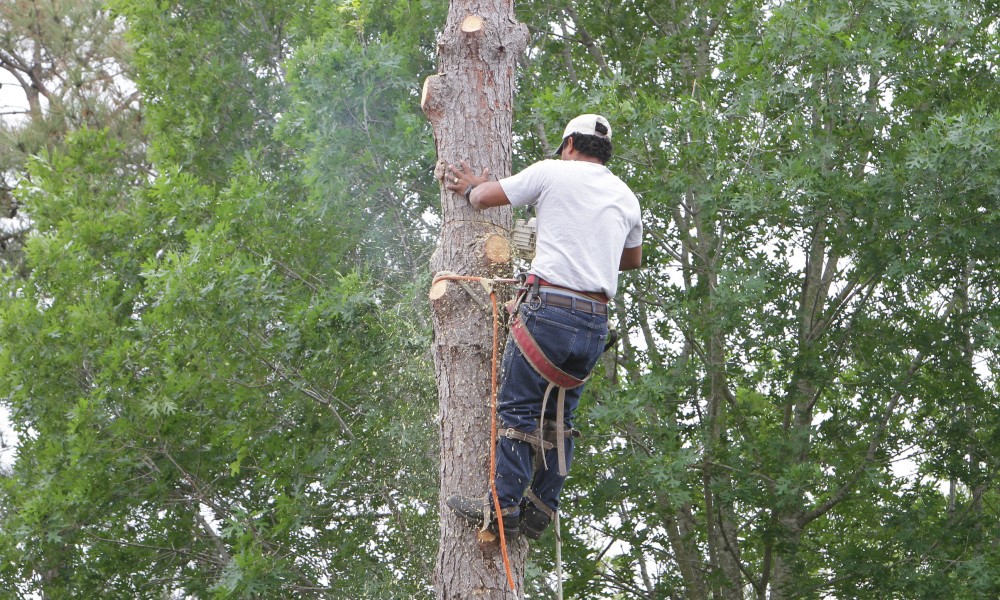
x,y
487,195
631,259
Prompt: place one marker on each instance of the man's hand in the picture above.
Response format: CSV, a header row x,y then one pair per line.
x,y
458,179
486,194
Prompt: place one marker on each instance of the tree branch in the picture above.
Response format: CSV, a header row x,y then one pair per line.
x,y
877,437
300,385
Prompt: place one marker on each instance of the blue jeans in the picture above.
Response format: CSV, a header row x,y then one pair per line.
x,y
573,340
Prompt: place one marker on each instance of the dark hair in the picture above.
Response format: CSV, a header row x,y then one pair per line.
x,y
593,145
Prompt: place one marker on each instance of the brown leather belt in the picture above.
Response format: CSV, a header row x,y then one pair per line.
x,y
588,306
533,279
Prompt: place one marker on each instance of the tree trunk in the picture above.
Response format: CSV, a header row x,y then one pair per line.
x,y
469,103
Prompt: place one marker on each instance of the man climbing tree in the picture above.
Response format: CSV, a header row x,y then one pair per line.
x,y
589,228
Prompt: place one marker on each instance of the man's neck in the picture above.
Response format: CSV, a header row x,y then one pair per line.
x,y
580,157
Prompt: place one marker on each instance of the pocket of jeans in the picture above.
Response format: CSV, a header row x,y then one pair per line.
x,y
554,338
602,339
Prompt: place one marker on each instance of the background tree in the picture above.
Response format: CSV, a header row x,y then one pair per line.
x,y
66,68
247,397
770,145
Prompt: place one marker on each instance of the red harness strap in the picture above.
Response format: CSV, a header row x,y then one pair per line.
x,y
541,363
556,378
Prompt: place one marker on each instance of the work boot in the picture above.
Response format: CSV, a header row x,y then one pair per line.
x,y
471,510
533,521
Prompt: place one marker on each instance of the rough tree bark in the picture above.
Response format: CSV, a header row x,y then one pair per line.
x,y
469,103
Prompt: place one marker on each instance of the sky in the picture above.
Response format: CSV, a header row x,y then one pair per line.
x,y
8,440
11,97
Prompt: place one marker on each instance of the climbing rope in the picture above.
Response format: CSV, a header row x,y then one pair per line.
x,y
488,283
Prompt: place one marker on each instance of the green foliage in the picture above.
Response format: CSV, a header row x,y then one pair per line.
x,y
366,148
213,396
217,369
65,68
813,318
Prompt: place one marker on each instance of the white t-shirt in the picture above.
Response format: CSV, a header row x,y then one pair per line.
x,y
586,216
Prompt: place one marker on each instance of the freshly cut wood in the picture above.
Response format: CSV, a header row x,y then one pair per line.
x,y
425,93
496,250
472,23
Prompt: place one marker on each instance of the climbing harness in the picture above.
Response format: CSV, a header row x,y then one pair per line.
x,y
557,378
549,434
530,291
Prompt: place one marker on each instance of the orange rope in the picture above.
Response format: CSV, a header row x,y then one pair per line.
x,y
493,440
493,415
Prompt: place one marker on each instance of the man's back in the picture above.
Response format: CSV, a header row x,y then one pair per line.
x,y
586,216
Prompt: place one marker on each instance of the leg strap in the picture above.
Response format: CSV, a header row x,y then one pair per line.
x,y
561,432
535,439
559,426
530,495
538,439
556,377
541,421
488,511
552,434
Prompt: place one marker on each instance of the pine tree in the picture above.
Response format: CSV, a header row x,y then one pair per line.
x,y
470,106
65,67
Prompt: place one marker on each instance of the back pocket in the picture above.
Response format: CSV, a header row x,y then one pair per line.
x,y
554,338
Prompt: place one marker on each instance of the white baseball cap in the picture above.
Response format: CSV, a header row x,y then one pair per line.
x,y
586,125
